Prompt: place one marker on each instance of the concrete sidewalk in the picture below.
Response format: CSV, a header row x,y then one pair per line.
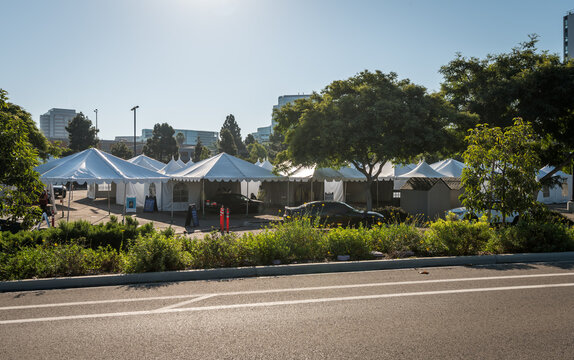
x,y
99,211
567,258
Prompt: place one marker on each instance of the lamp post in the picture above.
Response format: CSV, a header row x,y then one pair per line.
x,y
134,110
96,111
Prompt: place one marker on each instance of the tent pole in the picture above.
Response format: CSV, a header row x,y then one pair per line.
x,y
311,190
109,187
203,197
288,202
172,203
377,192
248,196
69,197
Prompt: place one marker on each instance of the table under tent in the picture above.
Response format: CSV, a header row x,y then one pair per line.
x,y
93,166
222,173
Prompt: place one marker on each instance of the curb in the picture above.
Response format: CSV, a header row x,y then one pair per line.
x,y
277,270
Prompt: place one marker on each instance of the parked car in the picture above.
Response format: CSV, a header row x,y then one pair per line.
x,y
462,213
334,213
59,191
237,203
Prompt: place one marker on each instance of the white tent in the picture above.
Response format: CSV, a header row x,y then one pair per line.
x,y
558,193
248,188
147,162
449,168
392,171
219,168
93,166
172,167
422,170
266,165
180,162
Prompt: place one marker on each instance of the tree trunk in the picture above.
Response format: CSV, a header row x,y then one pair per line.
x,y
368,194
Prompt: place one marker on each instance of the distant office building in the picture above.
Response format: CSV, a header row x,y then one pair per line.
x,y
208,138
568,25
53,123
263,133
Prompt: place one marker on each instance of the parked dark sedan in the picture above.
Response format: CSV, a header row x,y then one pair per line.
x,y
236,203
334,213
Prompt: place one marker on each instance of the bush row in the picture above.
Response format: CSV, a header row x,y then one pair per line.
x,y
79,248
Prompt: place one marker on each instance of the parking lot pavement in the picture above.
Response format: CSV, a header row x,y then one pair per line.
x,y
99,211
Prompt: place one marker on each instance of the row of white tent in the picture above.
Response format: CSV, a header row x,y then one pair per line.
x,y
177,184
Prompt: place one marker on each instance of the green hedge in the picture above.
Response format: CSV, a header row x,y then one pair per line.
x,y
79,248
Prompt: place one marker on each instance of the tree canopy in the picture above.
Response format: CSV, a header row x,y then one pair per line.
x,y
231,125
81,133
121,150
365,121
19,183
256,152
500,171
162,145
226,143
200,152
525,82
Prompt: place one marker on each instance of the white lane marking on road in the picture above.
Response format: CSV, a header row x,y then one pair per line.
x,y
282,303
270,291
186,302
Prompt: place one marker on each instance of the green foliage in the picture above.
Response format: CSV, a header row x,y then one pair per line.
x,y
371,117
535,237
256,152
231,125
227,144
81,134
302,237
524,82
500,171
353,242
448,237
396,239
216,250
58,260
20,186
393,214
156,252
200,152
162,145
122,150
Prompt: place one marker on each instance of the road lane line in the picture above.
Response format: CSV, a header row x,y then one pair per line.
x,y
283,303
186,302
271,291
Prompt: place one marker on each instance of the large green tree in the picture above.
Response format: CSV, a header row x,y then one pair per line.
x,y
231,125
227,143
162,145
19,183
525,82
81,133
200,152
121,150
500,171
256,152
365,121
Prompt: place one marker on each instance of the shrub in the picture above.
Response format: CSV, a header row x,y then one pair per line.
x,y
529,236
267,247
216,250
156,252
343,241
452,237
302,236
396,239
393,214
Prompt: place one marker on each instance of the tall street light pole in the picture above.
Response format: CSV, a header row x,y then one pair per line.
x,y
96,111
134,110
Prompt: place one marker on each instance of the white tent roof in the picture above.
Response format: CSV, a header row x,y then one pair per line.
x,y
266,165
180,162
449,168
172,167
545,170
325,174
392,171
422,170
147,162
95,166
225,167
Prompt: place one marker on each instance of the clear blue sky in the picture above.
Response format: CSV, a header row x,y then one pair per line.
x,y
192,62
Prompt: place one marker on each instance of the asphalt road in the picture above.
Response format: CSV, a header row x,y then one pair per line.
x,y
518,311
